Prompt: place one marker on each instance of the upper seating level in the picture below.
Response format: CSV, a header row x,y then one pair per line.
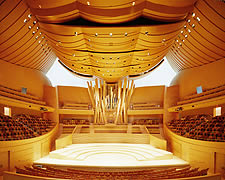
x,y
76,106
145,106
23,127
201,127
153,174
15,94
207,94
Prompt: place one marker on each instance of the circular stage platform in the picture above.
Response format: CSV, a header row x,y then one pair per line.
x,y
111,155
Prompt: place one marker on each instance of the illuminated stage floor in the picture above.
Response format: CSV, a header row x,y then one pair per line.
x,y
111,155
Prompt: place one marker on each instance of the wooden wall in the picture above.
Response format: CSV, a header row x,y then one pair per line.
x,y
16,77
207,76
203,154
24,152
153,94
73,94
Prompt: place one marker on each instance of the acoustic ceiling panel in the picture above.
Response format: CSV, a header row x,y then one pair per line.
x,y
202,38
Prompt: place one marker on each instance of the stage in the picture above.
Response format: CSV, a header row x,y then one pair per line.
x,y
111,156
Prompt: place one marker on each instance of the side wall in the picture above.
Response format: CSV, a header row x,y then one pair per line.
x,y
207,76
16,77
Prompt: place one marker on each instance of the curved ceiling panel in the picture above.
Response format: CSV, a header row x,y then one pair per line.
x,y
116,11
111,52
21,39
202,39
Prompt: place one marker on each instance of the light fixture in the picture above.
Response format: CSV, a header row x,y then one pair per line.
x,y
75,33
33,32
146,32
186,36
198,19
193,14
188,20
29,15
181,32
110,34
133,3
189,30
34,22
125,33
193,25
88,3
29,27
25,20
96,34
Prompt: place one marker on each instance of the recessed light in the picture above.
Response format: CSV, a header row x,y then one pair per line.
x,y
125,33
189,30
96,34
188,20
75,33
146,32
186,36
88,3
34,22
25,20
193,14
29,15
133,3
193,25
181,32
110,34
198,19
29,27
33,32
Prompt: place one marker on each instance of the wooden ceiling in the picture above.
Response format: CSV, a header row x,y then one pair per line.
x,y
111,39
202,38
21,40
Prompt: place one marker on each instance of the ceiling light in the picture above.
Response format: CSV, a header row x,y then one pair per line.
x,y
37,27
186,36
96,34
193,14
74,55
110,34
198,19
29,27
193,25
189,30
36,37
88,3
34,22
185,26
125,33
75,33
89,40
188,20
181,32
25,20
39,41
133,3
148,54
29,15
33,32
177,40
146,32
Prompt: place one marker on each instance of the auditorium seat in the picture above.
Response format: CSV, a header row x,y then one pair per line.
x,y
202,127
150,174
23,127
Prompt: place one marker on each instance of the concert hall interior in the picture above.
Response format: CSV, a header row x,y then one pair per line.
x,y
112,129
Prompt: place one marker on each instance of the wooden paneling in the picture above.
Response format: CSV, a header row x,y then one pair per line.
x,y
110,12
198,153
201,40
